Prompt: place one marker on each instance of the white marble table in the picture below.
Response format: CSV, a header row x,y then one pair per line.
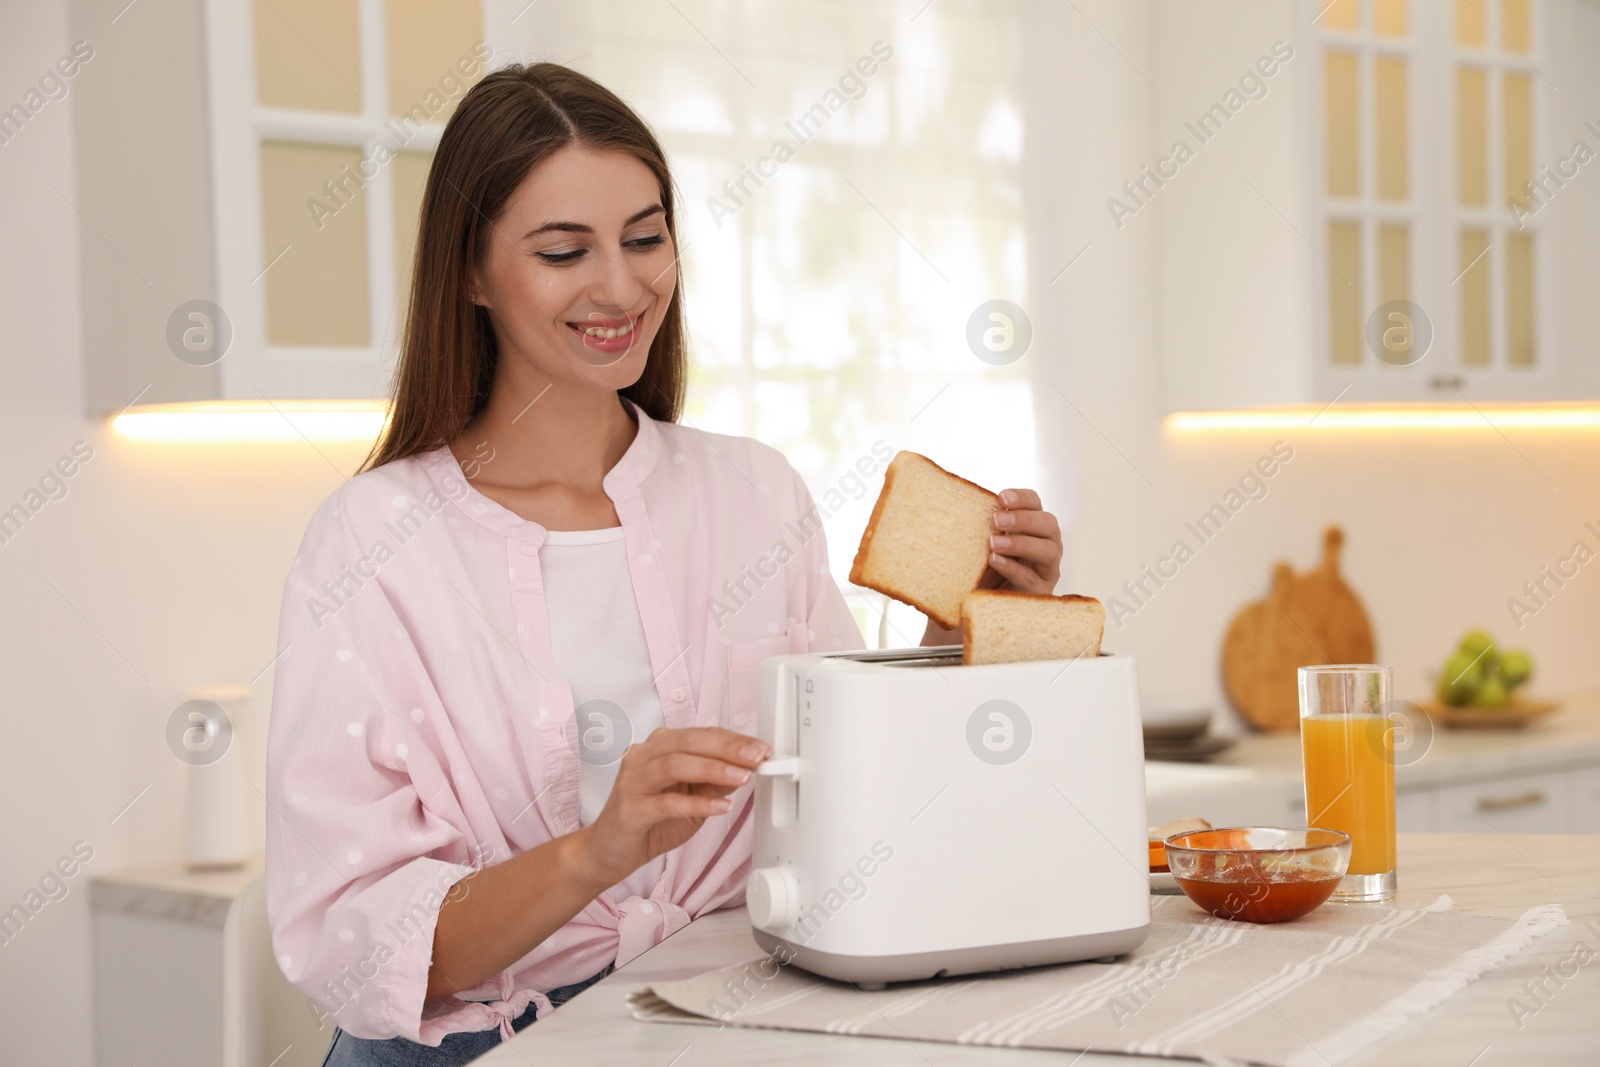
x,y
1485,873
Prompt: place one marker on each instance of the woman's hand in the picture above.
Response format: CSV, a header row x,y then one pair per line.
x,y
1024,554
1025,547
666,788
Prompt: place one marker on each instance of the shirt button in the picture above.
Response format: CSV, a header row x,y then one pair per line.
x,y
677,695
738,720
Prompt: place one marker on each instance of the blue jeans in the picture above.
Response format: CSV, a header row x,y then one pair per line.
x,y
347,1051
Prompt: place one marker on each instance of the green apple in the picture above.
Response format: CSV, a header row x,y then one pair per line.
x,y
1475,643
1516,667
1460,679
1491,694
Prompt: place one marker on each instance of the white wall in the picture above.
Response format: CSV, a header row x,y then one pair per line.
x,y
1235,276
1441,527
176,556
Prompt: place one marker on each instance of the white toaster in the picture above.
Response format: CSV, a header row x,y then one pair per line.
x,y
920,818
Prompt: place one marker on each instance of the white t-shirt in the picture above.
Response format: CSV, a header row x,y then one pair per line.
x,y
597,642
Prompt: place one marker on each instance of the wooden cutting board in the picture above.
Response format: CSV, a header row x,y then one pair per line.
x,y
1306,619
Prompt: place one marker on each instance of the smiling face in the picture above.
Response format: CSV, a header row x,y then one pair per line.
x,y
580,270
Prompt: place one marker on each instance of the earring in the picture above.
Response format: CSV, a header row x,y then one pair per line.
x,y
472,298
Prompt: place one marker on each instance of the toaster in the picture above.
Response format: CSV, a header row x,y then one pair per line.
x,y
920,818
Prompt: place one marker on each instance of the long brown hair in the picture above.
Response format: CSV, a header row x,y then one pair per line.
x,y
505,126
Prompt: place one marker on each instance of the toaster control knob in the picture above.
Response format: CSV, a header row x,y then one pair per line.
x,y
772,896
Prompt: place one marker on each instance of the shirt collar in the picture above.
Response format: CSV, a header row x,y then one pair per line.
x,y
620,481
638,461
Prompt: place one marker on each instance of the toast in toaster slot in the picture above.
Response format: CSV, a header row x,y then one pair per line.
x,y
1009,627
927,543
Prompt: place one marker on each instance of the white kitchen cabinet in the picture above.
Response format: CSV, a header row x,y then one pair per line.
x,y
184,974
1416,811
1308,166
248,180
1530,803
1559,797
1543,779
1586,797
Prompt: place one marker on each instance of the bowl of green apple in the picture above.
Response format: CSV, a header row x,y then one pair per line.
x,y
1478,686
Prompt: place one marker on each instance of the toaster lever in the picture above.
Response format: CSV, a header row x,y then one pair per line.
x,y
787,767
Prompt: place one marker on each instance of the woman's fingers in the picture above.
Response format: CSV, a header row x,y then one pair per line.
x,y
1031,523
1028,549
712,742
666,805
1020,499
1025,549
703,760
674,768
702,789
1020,575
667,786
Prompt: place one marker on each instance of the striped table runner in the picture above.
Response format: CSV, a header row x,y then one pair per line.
x,y
1319,990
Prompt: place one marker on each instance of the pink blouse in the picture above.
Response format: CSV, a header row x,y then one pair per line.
x,y
420,729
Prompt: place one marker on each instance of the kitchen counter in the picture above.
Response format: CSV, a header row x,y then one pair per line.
x,y
1543,778
1486,873
1568,735
173,892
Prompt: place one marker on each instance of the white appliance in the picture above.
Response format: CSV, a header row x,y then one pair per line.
x,y
919,818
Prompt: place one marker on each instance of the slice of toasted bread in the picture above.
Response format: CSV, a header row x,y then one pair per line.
x,y
1186,825
1010,627
1159,835
927,543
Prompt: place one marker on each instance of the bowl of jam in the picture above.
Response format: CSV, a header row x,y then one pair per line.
x,y
1258,874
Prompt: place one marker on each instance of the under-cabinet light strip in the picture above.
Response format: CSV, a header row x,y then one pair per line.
x,y
277,420
1387,418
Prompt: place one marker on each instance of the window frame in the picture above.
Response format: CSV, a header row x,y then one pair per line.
x,y
255,368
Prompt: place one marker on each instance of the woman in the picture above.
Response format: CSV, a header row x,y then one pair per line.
x,y
511,739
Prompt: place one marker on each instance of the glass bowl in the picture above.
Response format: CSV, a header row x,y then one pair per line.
x,y
1259,874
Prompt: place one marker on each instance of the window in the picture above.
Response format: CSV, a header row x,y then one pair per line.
x,y
850,194
1427,147
829,284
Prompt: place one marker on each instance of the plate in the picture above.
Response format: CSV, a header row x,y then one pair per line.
x,y
1191,752
1177,731
1512,716
1162,882
1174,720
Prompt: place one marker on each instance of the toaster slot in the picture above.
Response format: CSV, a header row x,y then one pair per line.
x,y
786,799
931,656
802,712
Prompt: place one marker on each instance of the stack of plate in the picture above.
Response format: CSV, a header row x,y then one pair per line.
x,y
1181,733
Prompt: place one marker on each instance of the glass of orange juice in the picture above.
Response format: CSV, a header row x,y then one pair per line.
x,y
1347,740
